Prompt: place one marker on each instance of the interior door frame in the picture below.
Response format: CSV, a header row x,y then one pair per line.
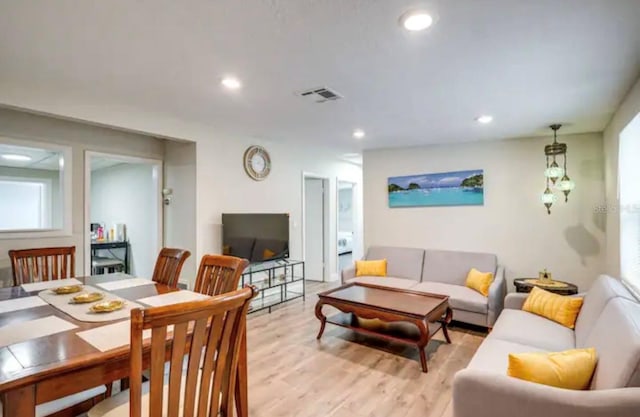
x,y
326,220
159,176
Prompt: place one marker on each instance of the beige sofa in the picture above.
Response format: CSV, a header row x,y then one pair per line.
x,y
609,321
441,272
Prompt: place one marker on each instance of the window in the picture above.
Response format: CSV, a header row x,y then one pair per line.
x,y
35,189
629,180
29,206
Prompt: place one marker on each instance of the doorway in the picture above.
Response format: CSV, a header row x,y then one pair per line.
x,y
347,222
315,227
123,214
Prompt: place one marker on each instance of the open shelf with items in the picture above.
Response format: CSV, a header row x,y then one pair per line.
x,y
279,281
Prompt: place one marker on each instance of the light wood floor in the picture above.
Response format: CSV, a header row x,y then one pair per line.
x,y
344,374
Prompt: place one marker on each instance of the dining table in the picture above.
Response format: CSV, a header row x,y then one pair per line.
x,y
49,367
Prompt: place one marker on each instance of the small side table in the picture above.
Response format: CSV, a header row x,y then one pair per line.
x,y
560,287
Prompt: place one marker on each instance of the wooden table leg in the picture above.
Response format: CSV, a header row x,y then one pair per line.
x,y
422,343
321,317
445,323
20,402
242,388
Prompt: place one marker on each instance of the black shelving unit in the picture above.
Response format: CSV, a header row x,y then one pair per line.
x,y
278,281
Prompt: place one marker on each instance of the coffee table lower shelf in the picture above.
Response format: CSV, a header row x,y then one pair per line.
x,y
398,331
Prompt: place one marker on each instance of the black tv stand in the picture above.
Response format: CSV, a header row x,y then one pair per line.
x,y
279,281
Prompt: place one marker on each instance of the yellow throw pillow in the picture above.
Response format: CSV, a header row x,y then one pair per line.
x,y
372,268
559,308
571,369
479,281
268,254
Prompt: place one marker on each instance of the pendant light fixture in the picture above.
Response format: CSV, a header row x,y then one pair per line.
x,y
555,172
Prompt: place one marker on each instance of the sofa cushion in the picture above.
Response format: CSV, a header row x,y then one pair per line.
x,y
569,369
603,289
559,308
452,267
376,268
529,329
493,355
460,297
616,338
392,282
401,262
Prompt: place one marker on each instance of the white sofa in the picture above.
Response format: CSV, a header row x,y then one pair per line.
x,y
609,321
440,272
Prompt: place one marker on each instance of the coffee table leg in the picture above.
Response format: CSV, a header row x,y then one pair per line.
x,y
423,327
445,323
321,317
20,402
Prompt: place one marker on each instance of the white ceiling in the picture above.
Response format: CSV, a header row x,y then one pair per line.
x,y
527,63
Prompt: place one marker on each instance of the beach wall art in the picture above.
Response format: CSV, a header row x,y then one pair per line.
x,y
458,188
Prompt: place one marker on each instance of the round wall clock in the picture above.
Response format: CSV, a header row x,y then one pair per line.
x,y
257,162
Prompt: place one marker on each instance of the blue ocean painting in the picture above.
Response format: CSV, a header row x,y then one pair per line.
x,y
458,188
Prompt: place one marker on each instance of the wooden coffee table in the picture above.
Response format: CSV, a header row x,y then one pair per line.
x,y
407,316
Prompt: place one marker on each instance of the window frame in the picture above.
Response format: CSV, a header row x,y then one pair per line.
x,y
628,209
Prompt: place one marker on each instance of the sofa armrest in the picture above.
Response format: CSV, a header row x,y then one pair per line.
x,y
483,394
515,300
497,291
348,273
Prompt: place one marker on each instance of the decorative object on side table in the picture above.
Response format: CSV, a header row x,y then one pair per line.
x,y
556,287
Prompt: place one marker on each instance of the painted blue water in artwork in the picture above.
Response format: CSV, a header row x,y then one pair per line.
x,y
459,188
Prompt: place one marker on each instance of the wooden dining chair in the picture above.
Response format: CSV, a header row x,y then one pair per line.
x,y
168,266
42,264
206,386
218,274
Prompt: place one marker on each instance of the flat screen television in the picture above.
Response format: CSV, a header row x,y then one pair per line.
x,y
258,237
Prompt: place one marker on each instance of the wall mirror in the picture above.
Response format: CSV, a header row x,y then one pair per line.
x,y
35,188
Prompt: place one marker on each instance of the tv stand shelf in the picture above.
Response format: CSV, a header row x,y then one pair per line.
x,y
279,281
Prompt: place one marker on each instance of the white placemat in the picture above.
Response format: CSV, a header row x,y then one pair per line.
x,y
21,304
113,336
173,298
39,286
81,311
125,283
32,329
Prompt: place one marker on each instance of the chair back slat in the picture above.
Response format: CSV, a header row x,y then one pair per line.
x,y
217,326
175,367
158,343
42,264
219,274
168,266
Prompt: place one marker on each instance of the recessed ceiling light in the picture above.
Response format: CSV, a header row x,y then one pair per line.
x,y
231,83
415,21
358,133
16,157
484,119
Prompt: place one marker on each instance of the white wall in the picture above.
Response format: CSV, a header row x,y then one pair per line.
x,y
223,186
180,214
80,137
126,193
513,223
628,109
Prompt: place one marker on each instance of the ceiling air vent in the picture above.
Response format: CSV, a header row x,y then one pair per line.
x,y
319,95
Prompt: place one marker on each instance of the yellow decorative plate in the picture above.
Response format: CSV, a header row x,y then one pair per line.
x,y
107,306
87,298
67,289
